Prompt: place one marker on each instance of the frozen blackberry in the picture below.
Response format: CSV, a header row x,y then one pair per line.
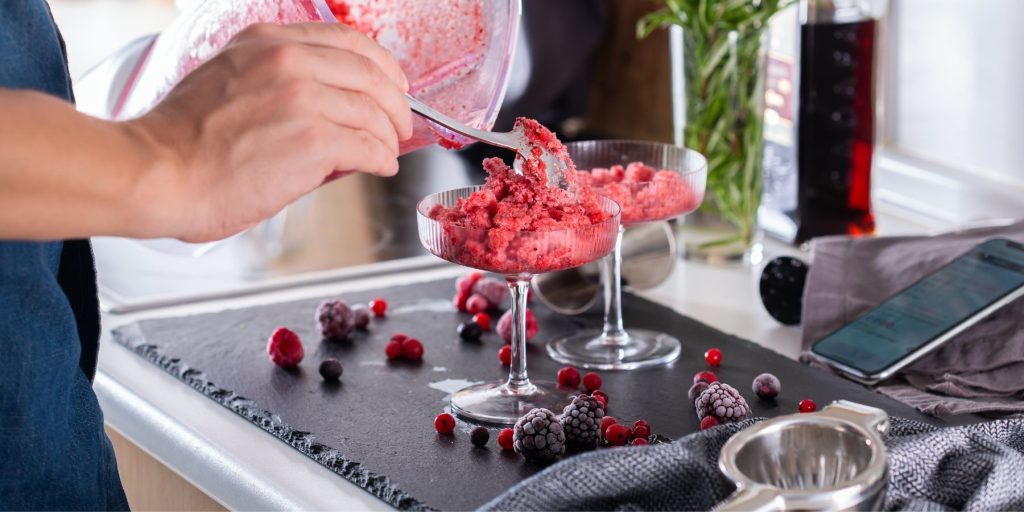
x,y
538,436
782,289
479,436
723,402
491,289
360,317
696,389
766,386
581,421
330,369
335,319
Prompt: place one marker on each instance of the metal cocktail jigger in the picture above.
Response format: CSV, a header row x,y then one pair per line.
x,y
829,460
648,257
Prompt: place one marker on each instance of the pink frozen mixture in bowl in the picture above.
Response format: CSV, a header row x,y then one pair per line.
x,y
645,193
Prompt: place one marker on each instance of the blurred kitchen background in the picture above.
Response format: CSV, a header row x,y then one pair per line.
x,y
949,137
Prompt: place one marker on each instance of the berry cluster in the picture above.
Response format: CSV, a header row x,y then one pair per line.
x,y
569,377
475,293
617,434
404,347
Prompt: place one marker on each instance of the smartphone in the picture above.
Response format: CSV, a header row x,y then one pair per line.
x,y
928,313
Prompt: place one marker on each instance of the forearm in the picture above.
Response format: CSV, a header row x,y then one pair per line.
x,y
67,175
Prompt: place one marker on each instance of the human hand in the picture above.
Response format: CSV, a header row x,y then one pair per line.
x,y
264,122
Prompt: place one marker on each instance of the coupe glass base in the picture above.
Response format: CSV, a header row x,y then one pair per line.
x,y
638,349
495,403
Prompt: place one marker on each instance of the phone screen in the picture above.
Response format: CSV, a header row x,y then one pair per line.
x,y
928,308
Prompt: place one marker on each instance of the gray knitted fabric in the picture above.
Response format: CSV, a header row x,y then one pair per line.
x,y
973,467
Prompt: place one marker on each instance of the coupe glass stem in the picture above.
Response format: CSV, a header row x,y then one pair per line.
x,y
612,270
518,380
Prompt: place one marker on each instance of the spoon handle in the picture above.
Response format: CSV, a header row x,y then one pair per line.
x,y
502,140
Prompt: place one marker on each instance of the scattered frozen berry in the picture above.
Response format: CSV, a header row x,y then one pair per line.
x,y
723,402
335,319
479,436
483,320
476,303
696,389
808,405
360,317
285,348
708,422
505,355
641,429
470,331
444,423
569,377
639,441
412,349
505,439
713,357
330,369
601,396
581,422
766,386
617,435
491,289
379,307
538,436
465,283
606,422
592,381
460,302
399,337
704,376
505,326
393,349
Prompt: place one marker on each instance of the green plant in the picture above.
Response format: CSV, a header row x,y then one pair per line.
x,y
724,76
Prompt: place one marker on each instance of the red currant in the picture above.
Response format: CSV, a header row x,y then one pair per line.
x,y
399,337
713,357
641,429
606,422
601,396
708,422
460,301
483,320
808,405
592,381
569,377
393,349
505,439
505,355
444,423
640,441
379,307
617,435
704,376
412,349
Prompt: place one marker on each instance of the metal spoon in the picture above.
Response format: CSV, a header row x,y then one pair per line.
x,y
514,140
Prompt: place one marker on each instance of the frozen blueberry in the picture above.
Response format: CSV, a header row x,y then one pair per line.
x,y
479,436
360,317
766,386
330,369
470,331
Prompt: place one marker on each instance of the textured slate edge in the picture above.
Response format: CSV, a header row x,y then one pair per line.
x,y
305,442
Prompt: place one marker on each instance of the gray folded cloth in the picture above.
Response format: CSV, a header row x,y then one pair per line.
x,y
979,371
973,467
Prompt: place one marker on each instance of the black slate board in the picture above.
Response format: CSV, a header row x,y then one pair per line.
x,y
375,428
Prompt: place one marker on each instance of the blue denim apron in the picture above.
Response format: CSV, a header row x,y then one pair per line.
x,y
53,451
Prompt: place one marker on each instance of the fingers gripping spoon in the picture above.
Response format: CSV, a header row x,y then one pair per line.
x,y
516,140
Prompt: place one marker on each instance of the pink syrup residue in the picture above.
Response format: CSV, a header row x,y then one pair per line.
x,y
644,193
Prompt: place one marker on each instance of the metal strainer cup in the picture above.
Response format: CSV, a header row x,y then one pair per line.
x,y
829,460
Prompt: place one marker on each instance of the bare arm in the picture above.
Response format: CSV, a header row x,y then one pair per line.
x,y
250,131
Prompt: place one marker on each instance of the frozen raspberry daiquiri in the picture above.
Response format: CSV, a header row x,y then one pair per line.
x,y
651,182
517,225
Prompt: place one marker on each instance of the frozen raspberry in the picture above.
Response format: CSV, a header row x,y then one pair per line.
x,y
483,320
330,369
704,376
393,349
379,307
470,331
766,386
335,319
708,422
476,304
412,349
606,422
505,439
569,377
505,326
641,429
807,405
592,381
617,435
601,396
713,357
285,348
491,289
479,436
639,441
505,355
723,402
464,284
581,421
360,317
696,389
538,436
444,423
